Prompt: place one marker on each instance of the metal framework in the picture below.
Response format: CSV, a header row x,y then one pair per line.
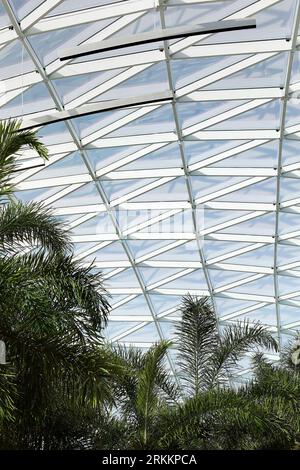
x,y
198,193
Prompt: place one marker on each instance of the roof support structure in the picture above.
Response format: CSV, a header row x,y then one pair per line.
x,y
279,162
215,143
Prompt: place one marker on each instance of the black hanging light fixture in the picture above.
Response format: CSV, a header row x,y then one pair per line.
x,y
155,36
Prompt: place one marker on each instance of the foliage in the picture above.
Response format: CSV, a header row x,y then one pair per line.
x,y
207,356
151,411
52,312
142,389
223,419
13,141
65,388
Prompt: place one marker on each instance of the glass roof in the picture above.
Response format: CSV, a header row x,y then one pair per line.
x,y
198,195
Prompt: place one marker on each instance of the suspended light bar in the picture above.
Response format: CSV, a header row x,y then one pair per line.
x,y
32,167
155,36
101,107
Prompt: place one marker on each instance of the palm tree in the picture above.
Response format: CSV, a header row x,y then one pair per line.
x,y
7,394
63,388
211,415
278,385
21,223
52,312
142,390
151,412
225,419
207,356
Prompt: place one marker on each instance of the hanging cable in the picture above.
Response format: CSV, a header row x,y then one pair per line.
x,y
22,82
21,116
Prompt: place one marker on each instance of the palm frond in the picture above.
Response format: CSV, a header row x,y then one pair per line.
x,y
41,288
234,342
286,356
225,419
196,335
274,382
7,392
147,397
12,142
31,224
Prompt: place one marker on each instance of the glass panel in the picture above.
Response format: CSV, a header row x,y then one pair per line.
x,y
289,188
189,251
125,279
265,284
99,224
273,22
163,303
4,19
38,195
113,252
215,248
216,217
152,275
193,112
87,194
100,158
70,165
265,315
116,328
266,73
47,45
146,334
266,116
260,257
222,278
260,225
288,284
226,306
288,314
153,78
205,185
14,60
290,152
258,192
24,7
35,99
176,190
198,151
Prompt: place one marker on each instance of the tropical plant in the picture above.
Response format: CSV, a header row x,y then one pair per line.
x,y
63,387
142,390
278,385
208,355
52,311
7,394
213,415
23,223
151,412
14,140
225,419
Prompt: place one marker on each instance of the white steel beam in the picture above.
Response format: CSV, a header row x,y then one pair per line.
x,y
90,15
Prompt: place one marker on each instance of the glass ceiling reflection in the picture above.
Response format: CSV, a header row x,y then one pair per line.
x,y
200,195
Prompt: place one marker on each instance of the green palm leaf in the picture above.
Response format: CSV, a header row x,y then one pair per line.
x,y
31,224
12,142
